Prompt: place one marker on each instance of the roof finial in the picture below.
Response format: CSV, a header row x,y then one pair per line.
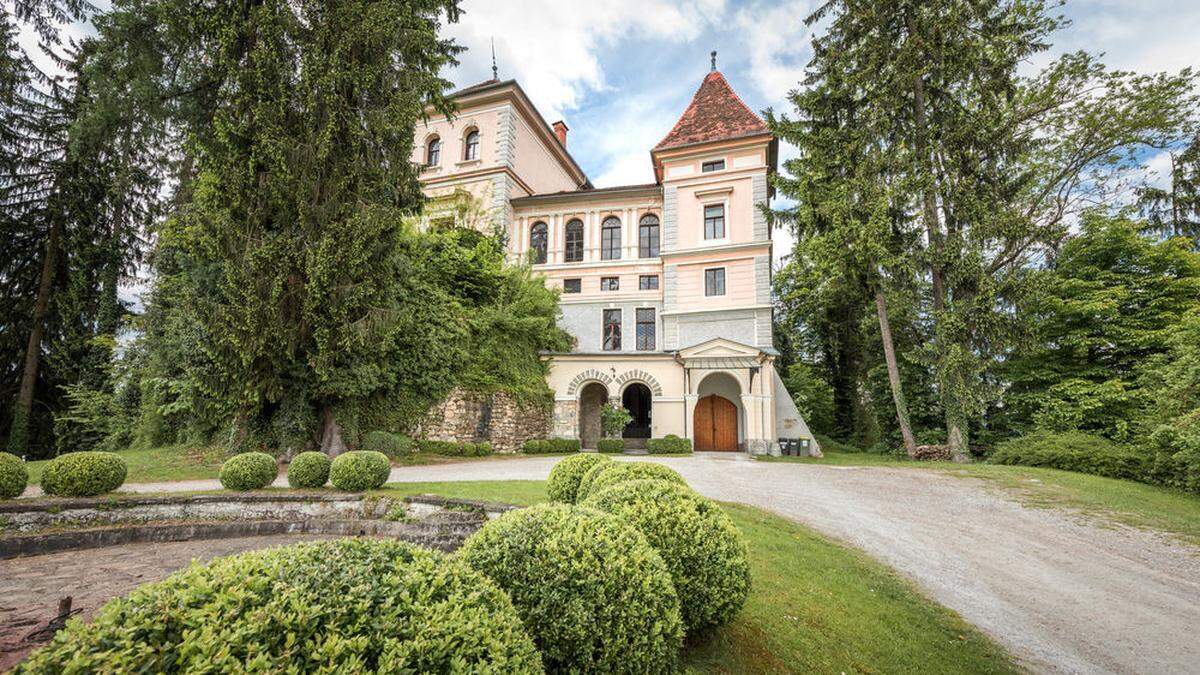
x,y
495,70
714,60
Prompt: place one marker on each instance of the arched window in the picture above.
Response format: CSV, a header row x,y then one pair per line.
x,y
648,236
537,243
433,151
573,251
471,145
610,239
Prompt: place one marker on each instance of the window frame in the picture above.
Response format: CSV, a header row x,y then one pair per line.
x,y
471,145
715,277
567,243
643,286
433,151
645,249
713,163
639,343
704,218
610,341
578,286
540,253
610,246
614,282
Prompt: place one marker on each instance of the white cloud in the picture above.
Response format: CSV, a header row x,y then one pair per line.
x,y
1141,35
778,44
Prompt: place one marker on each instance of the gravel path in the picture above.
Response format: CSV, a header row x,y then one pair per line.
x,y
1062,594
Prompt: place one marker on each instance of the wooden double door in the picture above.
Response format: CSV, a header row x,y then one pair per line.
x,y
715,424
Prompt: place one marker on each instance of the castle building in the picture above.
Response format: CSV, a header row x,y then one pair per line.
x,y
666,286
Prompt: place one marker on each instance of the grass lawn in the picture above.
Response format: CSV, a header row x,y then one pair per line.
x,y
1120,501
815,606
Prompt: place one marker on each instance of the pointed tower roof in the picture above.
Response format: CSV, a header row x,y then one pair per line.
x,y
716,113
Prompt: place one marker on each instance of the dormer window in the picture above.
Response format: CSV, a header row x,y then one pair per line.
x,y
471,145
537,243
433,151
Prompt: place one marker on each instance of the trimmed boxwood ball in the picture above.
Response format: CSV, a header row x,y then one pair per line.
x,y
359,470
600,477
593,593
702,547
308,470
564,479
13,476
349,605
84,474
248,471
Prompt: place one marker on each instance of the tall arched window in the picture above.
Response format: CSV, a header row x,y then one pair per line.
x,y
648,236
610,239
471,145
433,151
573,249
537,243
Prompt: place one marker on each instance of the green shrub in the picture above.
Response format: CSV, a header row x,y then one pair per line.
x,y
84,474
455,449
550,445
565,477
591,590
669,445
830,445
249,471
392,445
482,449
309,470
13,476
610,445
702,547
1074,451
536,447
359,470
566,444
600,477
349,605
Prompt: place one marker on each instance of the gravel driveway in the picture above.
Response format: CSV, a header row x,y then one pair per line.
x,y
1062,594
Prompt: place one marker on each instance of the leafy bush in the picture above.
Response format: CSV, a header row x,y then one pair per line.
x,y
613,419
455,449
545,446
565,477
349,605
566,444
702,547
392,445
612,445
669,445
309,470
592,591
1074,451
249,471
600,477
830,445
84,474
13,476
359,470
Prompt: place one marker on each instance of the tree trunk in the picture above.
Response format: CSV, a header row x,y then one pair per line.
x,y
889,354
331,436
18,438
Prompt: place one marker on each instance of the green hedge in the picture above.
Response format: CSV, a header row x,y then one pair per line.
x,y
600,477
1074,451
565,477
610,445
669,445
309,470
84,474
13,476
455,449
349,605
359,470
702,547
392,445
249,471
546,446
589,587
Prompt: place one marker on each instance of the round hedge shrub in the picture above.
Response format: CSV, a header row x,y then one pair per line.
x,y
600,477
360,470
702,547
591,590
308,470
13,476
564,479
84,474
349,605
249,471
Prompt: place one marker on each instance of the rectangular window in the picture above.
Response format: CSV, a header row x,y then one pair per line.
x,y
714,221
715,165
714,281
645,329
612,330
648,282
610,283
572,285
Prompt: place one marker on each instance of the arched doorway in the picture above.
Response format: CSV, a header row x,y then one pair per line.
x,y
636,399
717,418
592,397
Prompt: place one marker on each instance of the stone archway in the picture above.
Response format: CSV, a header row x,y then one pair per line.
x,y
592,398
718,421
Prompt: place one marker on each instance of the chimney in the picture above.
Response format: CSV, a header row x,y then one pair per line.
x,y
560,130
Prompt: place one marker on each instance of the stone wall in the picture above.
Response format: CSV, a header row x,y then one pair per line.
x,y
473,417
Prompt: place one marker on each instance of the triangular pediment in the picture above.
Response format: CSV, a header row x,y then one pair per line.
x,y
719,348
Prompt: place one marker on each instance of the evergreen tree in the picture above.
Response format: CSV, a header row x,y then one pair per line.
x,y
1175,211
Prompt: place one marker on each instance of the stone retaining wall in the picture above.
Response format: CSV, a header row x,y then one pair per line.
x,y
473,417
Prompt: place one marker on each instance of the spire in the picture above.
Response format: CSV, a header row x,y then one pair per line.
x,y
714,60
715,114
495,70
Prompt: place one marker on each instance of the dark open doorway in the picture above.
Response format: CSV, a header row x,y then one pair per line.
x,y
636,400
